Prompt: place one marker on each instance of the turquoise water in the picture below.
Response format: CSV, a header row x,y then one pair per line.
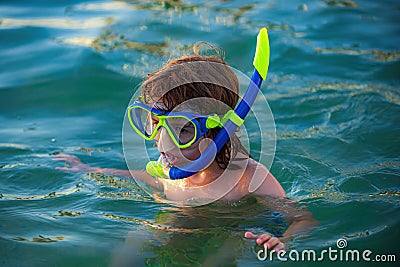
x,y
69,68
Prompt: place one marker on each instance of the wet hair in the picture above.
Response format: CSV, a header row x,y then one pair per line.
x,y
182,79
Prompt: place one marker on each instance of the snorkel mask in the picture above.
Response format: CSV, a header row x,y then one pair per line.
x,y
186,128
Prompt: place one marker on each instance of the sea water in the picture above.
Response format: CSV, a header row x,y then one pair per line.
x,y
69,69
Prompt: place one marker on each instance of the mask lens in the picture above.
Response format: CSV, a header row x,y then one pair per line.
x,y
183,129
143,120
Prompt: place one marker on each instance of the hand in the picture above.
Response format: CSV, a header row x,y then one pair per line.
x,y
268,240
75,162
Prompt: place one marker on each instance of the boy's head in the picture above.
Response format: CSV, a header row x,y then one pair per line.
x,y
207,78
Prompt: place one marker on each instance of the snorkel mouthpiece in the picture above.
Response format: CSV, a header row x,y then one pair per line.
x,y
260,63
157,169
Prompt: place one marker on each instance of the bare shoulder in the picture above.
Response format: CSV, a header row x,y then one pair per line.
x,y
256,180
260,181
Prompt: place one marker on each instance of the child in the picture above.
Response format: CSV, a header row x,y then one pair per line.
x,y
201,86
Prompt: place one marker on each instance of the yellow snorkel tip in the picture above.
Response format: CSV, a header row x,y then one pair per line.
x,y
261,57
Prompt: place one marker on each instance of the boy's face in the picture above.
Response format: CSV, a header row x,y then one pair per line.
x,y
170,153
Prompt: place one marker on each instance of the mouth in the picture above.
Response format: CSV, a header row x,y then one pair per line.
x,y
169,159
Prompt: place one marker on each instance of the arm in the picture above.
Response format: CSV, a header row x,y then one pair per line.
x,y
274,198
78,166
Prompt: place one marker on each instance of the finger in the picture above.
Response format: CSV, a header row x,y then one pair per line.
x,y
279,247
263,238
250,235
273,241
64,155
62,168
68,158
61,157
58,158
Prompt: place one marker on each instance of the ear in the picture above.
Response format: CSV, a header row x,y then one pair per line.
x,y
204,143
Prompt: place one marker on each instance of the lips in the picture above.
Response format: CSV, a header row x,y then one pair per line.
x,y
169,159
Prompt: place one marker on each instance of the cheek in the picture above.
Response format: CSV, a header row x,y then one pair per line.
x,y
192,152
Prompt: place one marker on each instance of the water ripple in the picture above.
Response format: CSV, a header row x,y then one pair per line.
x,y
375,55
53,194
59,23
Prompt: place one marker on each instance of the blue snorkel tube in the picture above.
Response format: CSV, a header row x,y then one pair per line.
x,y
260,63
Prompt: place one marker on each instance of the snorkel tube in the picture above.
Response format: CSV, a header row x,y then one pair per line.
x,y
235,118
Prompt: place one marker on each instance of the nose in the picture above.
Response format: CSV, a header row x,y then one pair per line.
x,y
164,141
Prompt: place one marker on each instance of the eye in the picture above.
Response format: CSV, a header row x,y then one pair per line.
x,y
183,131
154,120
186,129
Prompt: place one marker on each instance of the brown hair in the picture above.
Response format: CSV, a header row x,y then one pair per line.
x,y
182,79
